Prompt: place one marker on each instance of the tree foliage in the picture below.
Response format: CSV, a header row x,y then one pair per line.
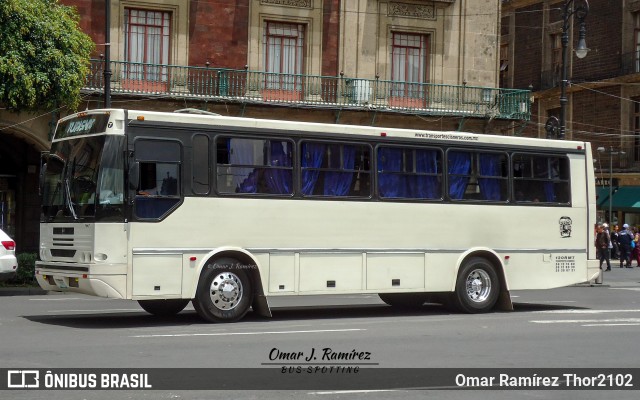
x,y
44,56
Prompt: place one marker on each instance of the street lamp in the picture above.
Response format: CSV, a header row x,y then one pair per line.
x,y
107,54
554,126
611,154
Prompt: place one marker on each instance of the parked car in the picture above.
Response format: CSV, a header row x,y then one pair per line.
x,y
8,261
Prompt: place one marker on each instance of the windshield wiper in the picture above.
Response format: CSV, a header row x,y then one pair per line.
x,y
68,198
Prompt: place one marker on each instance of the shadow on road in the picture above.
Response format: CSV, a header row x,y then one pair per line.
x,y
120,320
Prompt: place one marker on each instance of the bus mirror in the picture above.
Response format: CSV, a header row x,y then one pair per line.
x,y
134,175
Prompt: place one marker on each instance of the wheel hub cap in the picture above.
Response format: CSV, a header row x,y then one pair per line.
x,y
478,286
226,291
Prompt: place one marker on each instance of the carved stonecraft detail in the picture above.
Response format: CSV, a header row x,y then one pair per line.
x,y
633,6
422,11
288,3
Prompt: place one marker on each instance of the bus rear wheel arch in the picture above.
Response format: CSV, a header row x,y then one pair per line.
x,y
477,286
224,292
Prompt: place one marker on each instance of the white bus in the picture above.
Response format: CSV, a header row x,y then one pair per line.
x,y
167,208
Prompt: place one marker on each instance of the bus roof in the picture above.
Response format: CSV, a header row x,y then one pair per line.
x,y
315,127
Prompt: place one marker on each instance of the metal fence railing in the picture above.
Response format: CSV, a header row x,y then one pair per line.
x,y
310,90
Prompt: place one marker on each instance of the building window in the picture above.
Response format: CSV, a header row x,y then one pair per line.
x,y
146,36
504,65
636,129
636,39
284,55
409,68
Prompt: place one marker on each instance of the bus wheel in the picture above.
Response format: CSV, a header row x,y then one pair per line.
x,y
477,287
403,300
163,308
224,293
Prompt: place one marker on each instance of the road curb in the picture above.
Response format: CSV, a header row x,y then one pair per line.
x,y
22,291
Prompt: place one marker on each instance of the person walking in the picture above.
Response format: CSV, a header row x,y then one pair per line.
x,y
635,251
625,237
614,241
602,244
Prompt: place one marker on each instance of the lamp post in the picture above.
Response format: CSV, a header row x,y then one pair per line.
x,y
580,8
107,55
611,154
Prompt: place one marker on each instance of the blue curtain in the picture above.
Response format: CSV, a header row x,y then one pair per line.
x,y
278,180
391,184
459,164
250,183
312,155
423,186
339,183
549,192
490,166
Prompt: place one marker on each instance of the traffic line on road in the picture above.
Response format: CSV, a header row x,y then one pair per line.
x,y
587,311
51,298
589,321
246,333
98,311
355,391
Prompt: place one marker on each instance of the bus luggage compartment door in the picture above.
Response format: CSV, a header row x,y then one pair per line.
x,y
157,274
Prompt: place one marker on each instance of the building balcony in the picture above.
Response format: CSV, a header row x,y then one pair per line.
x,y
599,70
329,92
630,63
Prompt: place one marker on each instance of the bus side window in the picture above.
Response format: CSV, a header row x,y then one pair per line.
x,y
254,166
336,170
158,179
159,182
541,179
411,173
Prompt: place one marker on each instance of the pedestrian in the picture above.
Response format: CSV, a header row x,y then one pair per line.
x,y
625,237
606,229
614,241
635,252
602,244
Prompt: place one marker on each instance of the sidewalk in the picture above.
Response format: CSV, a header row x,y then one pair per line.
x,y
619,277
21,291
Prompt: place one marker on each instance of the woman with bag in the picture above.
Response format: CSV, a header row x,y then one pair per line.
x,y
635,252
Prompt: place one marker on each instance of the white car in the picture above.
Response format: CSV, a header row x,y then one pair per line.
x,y
8,262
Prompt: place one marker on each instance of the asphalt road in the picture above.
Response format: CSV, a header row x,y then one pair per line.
x,y
567,328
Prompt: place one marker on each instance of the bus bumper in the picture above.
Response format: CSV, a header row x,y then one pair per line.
x,y
76,278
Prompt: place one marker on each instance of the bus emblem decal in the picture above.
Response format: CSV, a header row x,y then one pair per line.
x,y
565,227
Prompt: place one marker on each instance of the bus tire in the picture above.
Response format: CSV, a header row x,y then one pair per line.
x,y
224,292
163,308
477,286
403,300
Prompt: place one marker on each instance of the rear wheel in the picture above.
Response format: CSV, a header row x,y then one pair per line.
x,y
403,300
224,292
163,308
477,287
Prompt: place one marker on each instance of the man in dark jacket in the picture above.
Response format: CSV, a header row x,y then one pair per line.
x,y
625,237
602,243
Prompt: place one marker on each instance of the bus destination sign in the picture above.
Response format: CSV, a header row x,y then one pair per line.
x,y
83,125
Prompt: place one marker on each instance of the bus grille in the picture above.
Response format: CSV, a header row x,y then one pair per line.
x,y
63,253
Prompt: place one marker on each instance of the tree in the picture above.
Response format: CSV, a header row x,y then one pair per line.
x,y
44,56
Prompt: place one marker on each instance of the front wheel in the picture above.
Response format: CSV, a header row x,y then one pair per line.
x,y
163,308
224,292
477,287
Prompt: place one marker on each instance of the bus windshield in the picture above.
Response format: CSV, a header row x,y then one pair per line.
x,y
84,179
